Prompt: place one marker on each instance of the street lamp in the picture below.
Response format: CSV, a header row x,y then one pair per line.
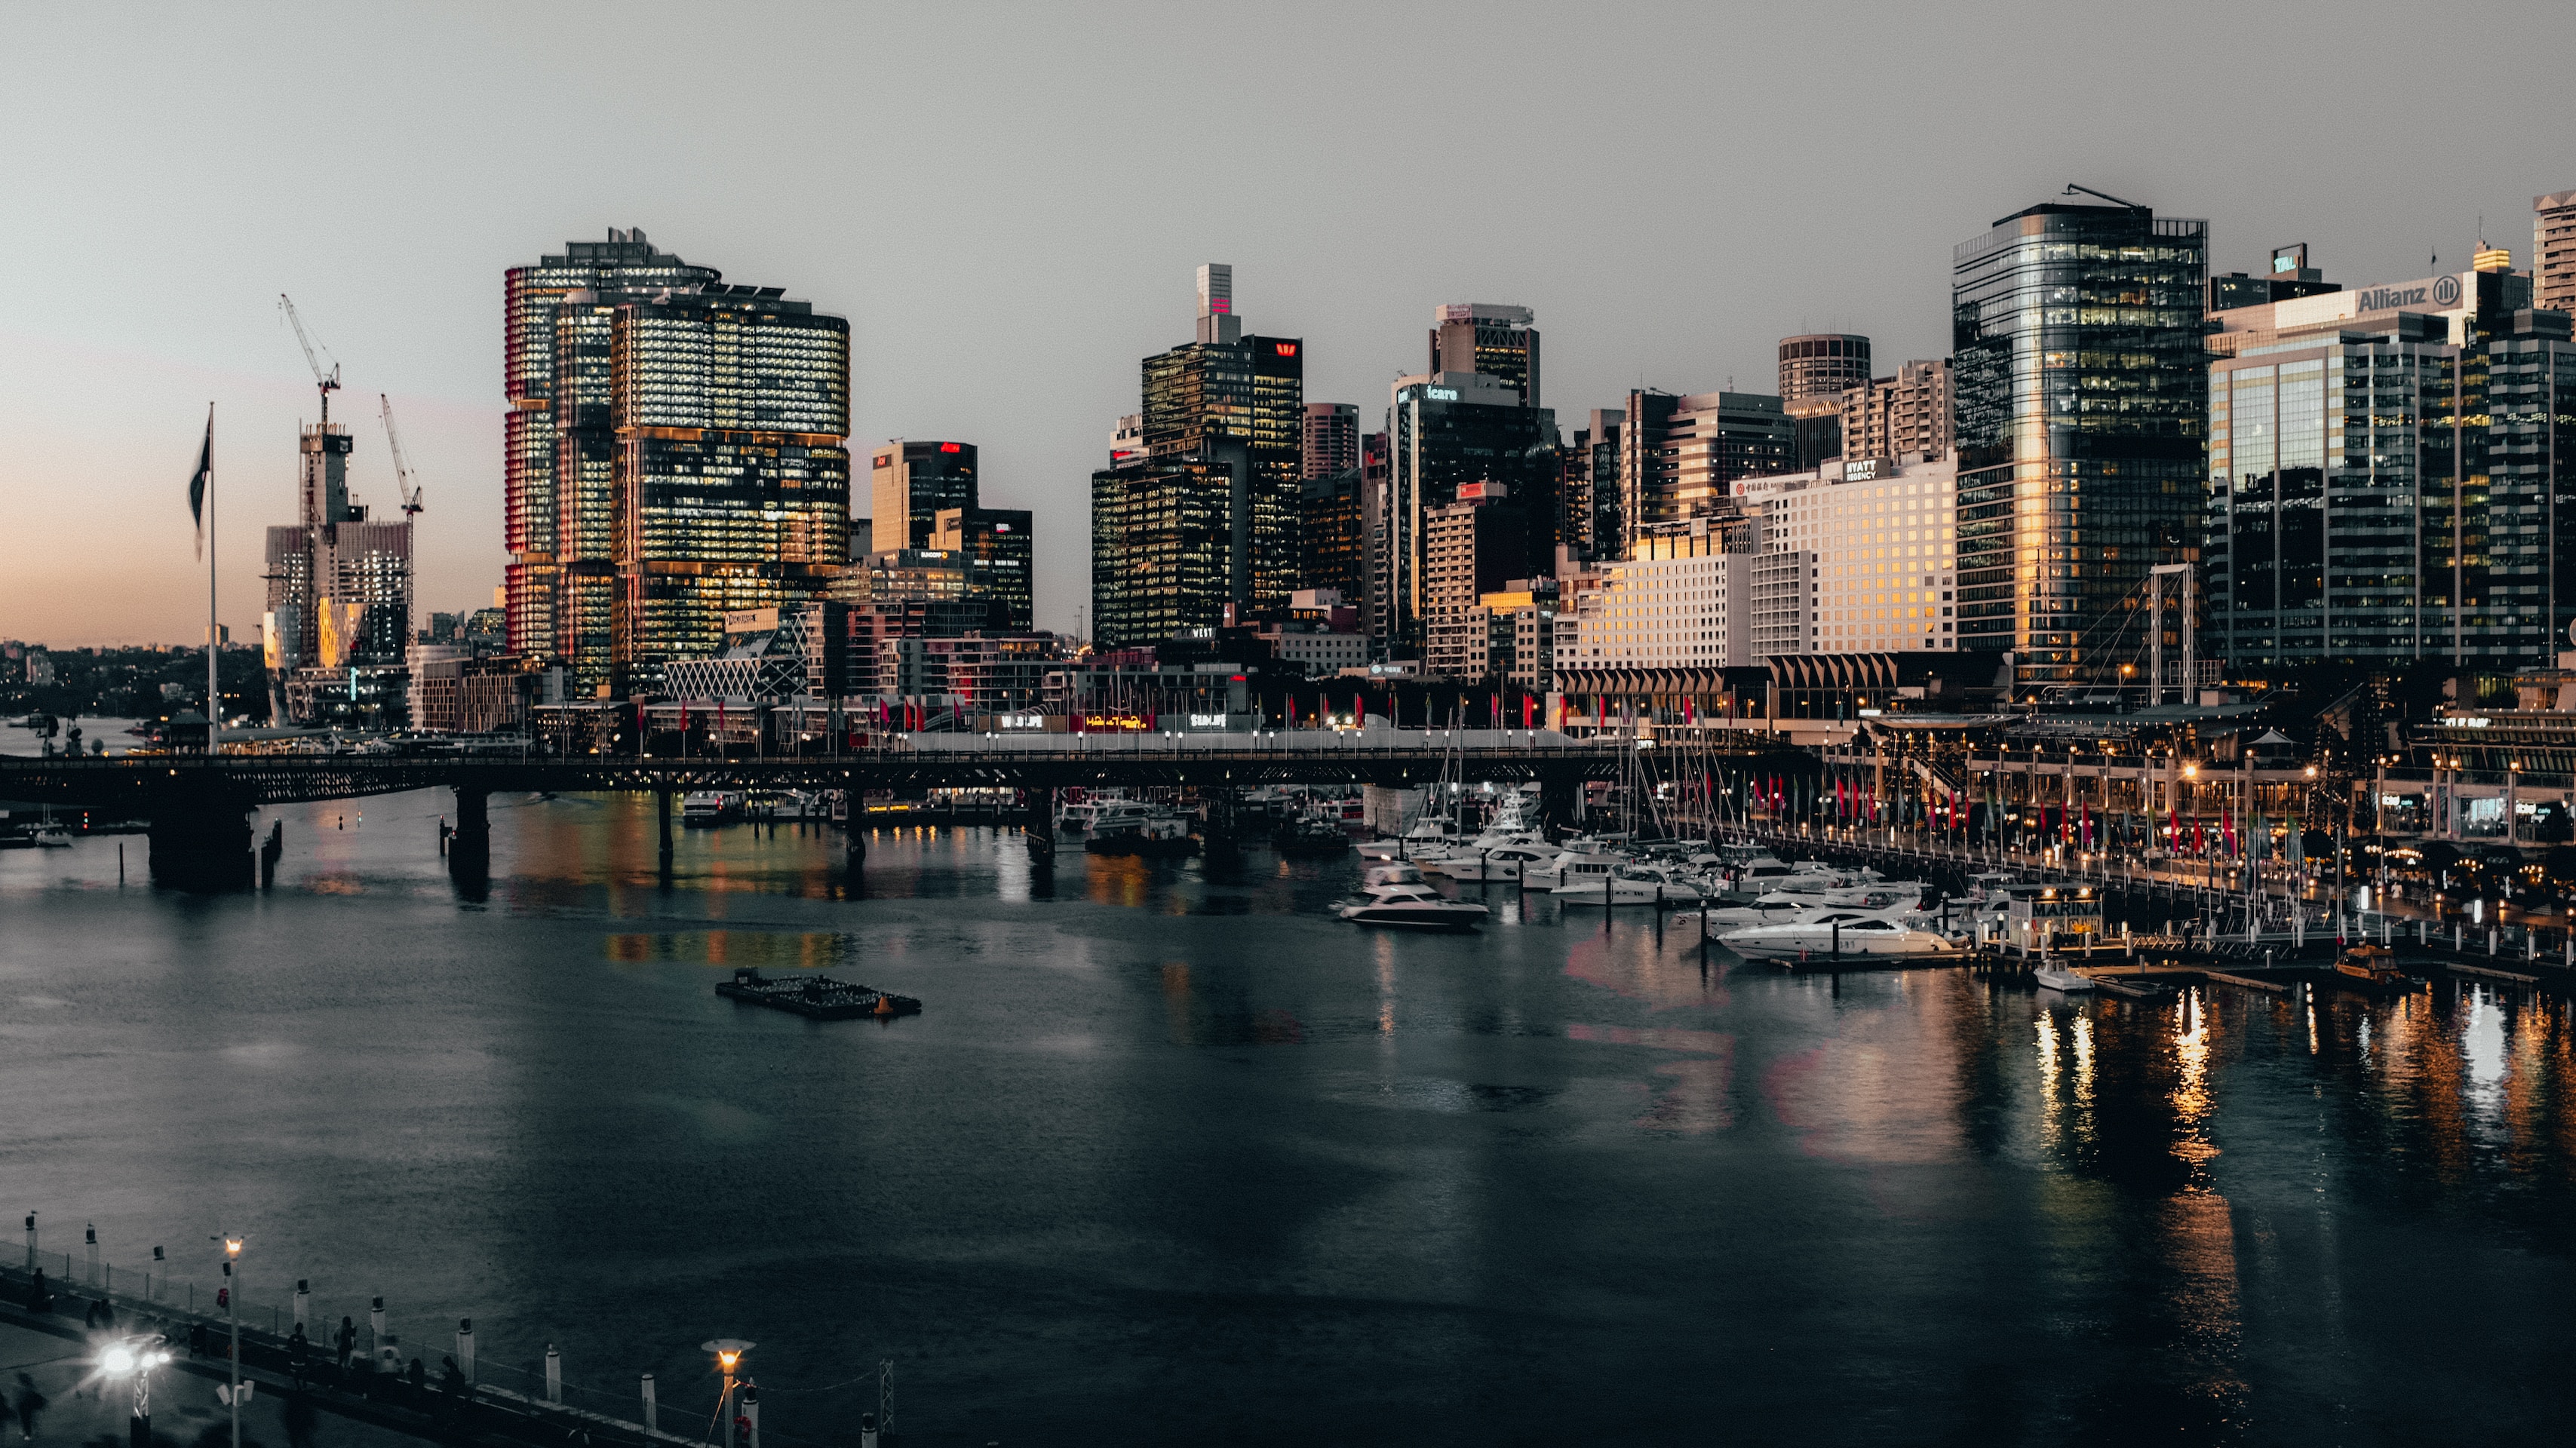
x,y
728,1351
137,1356
232,1311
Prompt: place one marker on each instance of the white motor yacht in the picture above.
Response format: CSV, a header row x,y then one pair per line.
x,y
1775,908
1502,862
1629,886
51,837
1571,866
1432,838
1394,894
1837,932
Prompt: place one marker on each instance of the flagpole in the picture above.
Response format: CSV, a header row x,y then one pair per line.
x,y
214,694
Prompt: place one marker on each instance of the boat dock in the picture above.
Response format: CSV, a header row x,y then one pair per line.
x,y
816,997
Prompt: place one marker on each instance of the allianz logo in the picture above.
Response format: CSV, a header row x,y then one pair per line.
x,y
2440,292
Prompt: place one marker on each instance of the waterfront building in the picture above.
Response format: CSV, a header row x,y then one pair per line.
x,y
1678,453
1319,632
1446,432
673,454
911,483
1909,412
1494,341
1877,541
599,274
1662,626
2553,251
2082,414
2385,469
999,553
1203,523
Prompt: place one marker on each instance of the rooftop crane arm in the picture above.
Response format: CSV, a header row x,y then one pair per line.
x,y
402,469
326,382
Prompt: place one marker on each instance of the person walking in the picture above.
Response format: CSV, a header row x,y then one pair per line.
x,y
348,1343
29,1404
297,1349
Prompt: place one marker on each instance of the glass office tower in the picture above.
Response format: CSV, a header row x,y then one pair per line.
x,y
2082,394
2384,466
534,489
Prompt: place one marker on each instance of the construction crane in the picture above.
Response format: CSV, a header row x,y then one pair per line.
x,y
402,470
327,382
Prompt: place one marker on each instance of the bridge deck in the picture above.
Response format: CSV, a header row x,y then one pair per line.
x,y
1286,757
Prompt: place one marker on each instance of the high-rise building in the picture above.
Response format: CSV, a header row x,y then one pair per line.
x,y
339,585
537,472
1588,488
1678,454
2385,469
1445,432
1332,441
1889,417
1878,541
1000,554
1821,366
1497,341
1332,551
911,483
2082,412
2553,251
1206,521
732,484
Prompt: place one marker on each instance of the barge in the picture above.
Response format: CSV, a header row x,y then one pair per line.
x,y
816,997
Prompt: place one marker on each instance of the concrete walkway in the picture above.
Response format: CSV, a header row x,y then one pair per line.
x,y
84,1408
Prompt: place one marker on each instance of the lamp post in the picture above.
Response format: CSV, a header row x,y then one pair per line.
x,y
139,1356
232,1311
728,1351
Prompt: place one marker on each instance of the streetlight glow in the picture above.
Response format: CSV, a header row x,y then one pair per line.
x,y
117,1361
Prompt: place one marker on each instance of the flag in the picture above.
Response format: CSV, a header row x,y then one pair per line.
x,y
201,479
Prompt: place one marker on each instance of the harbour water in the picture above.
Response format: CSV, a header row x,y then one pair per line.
x,y
1171,1157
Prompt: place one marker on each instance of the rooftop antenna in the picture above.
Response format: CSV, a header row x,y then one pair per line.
x,y
326,383
2072,189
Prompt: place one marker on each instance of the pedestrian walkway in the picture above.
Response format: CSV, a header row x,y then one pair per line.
x,y
83,1407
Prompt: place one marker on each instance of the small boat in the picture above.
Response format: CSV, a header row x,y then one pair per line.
x,y
1155,835
2059,978
1395,895
1776,908
51,836
2143,990
1096,815
816,997
1311,836
2371,969
707,808
1628,887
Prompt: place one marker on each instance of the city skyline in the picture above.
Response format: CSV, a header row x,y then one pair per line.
x,y
113,356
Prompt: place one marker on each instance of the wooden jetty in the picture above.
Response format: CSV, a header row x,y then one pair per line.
x,y
816,997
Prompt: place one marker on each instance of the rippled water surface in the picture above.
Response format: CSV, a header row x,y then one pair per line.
x,y
1171,1157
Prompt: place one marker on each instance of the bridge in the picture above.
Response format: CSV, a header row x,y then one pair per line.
x,y
201,838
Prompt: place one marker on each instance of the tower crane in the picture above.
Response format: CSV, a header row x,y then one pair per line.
x,y
402,470
326,382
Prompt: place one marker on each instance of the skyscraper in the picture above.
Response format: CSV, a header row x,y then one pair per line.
x,y
1206,520
558,450
1000,556
1816,371
911,483
1498,341
2553,251
1332,442
1678,453
1445,432
2082,412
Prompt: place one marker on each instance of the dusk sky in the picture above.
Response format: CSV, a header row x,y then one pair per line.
x,y
1008,202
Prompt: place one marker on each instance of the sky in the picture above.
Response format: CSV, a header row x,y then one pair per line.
x,y
1008,203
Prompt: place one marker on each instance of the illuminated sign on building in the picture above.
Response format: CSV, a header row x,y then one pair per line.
x,y
1287,349
1441,394
1113,723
